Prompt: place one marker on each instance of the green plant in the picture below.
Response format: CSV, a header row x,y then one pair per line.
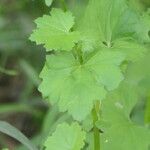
x,y
86,75
48,2
13,132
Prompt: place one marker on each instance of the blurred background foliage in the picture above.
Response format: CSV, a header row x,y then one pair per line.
x,y
21,62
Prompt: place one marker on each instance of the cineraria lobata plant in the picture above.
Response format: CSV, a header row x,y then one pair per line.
x,y
85,75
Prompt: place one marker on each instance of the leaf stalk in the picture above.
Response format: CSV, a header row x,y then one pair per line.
x,y
96,132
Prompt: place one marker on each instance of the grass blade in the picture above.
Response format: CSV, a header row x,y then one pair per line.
x,y
6,128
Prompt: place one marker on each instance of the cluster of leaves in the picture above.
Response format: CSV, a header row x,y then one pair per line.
x,y
85,72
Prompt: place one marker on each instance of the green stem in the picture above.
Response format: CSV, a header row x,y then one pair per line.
x,y
63,5
8,72
80,56
96,132
17,108
77,52
147,111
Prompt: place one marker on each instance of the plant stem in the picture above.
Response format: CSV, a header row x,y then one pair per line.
x,y
63,5
80,55
96,132
8,72
147,111
77,52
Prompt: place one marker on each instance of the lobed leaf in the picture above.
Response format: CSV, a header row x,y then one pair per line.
x,y
122,132
55,31
112,24
66,137
74,86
